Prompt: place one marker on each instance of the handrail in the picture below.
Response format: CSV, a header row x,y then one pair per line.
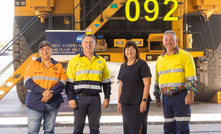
x,y
73,18
27,47
207,20
1,53
17,37
27,27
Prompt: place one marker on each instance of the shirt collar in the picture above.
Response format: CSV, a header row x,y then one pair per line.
x,y
52,61
82,54
176,51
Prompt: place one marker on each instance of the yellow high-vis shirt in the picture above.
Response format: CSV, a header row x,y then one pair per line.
x,y
88,76
175,70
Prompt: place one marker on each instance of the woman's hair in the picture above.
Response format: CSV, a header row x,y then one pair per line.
x,y
134,45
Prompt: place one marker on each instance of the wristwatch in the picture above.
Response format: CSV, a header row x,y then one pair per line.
x,y
144,99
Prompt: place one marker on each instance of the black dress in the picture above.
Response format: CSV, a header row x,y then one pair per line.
x,y
131,96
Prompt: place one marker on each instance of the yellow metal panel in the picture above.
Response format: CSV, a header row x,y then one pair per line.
x,y
139,42
119,42
209,2
25,10
51,3
77,15
114,57
177,26
217,98
40,3
158,37
108,12
60,7
196,54
189,41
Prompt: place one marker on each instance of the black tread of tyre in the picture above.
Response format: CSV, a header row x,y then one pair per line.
x,y
18,47
206,93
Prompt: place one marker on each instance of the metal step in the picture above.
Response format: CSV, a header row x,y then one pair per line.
x,y
16,76
108,12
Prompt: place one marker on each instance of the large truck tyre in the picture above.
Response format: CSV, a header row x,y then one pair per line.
x,y
206,93
17,48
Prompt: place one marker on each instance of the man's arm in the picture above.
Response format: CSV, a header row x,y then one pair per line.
x,y
29,83
190,74
156,92
69,89
106,83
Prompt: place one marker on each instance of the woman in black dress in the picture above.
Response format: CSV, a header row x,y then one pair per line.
x,y
133,94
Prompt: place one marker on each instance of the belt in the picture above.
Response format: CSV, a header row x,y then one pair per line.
x,y
176,93
87,94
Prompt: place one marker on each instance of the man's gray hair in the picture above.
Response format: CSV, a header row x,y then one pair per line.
x,y
89,35
171,32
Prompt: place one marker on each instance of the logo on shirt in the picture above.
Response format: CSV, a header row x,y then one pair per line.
x,y
38,72
55,68
99,61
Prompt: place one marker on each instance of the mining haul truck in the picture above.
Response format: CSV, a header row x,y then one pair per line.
x,y
113,22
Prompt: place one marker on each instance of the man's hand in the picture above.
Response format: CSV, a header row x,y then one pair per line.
x,y
119,108
105,103
47,95
158,102
143,106
72,104
189,99
44,100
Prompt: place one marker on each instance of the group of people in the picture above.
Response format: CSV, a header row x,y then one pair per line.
x,y
87,74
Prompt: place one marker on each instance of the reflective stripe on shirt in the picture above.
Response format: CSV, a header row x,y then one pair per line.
x,y
86,86
45,78
170,71
173,84
106,81
88,72
70,80
191,78
27,78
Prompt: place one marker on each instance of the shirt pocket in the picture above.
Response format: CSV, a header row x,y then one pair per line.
x,y
100,66
176,65
81,66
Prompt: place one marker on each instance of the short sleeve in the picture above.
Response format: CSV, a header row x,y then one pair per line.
x,y
145,70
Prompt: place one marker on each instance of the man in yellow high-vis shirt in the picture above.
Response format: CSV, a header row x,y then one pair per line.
x,y
87,73
176,80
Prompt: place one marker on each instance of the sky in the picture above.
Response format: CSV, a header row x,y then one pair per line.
x,y
6,19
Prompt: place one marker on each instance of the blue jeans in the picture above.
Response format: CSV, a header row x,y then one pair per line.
x,y
91,106
35,117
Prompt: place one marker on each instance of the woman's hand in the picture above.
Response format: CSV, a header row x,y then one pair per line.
x,y
119,108
143,106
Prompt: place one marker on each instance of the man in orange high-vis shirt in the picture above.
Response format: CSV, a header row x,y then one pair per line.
x,y
45,79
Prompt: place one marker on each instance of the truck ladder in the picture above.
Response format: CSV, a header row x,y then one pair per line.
x,y
108,12
16,76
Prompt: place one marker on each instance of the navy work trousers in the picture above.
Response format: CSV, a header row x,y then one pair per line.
x,y
176,114
90,106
